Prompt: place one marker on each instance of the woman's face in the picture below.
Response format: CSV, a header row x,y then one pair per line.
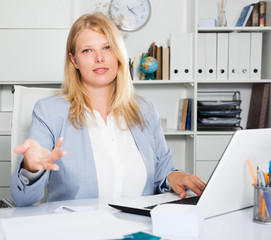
x,y
95,59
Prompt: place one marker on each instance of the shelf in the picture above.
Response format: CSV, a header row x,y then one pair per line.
x,y
234,29
236,81
5,133
215,132
175,132
140,82
29,83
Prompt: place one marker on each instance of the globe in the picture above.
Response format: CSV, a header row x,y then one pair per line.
x,y
148,66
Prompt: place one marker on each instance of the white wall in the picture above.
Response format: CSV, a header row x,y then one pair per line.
x,y
233,9
33,36
165,19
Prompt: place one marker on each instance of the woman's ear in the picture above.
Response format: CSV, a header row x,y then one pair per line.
x,y
74,62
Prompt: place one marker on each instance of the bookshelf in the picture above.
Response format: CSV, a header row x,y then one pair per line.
x,y
206,160
192,150
198,146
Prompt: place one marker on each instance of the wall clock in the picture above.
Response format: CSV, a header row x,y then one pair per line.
x,y
130,15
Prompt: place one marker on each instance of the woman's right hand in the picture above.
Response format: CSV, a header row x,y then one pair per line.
x,y
37,157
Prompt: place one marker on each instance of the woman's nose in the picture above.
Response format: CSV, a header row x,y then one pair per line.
x,y
99,57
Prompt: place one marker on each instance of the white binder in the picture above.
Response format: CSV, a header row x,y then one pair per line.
x,y
255,55
181,56
239,56
210,48
222,56
244,47
201,71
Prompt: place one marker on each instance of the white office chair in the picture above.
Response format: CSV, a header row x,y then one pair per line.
x,y
24,101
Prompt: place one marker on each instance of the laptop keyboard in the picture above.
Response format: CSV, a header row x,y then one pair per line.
x,y
190,201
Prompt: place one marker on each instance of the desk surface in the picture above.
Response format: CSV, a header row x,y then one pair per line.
x,y
98,215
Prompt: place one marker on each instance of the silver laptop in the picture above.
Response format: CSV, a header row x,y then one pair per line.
x,y
230,186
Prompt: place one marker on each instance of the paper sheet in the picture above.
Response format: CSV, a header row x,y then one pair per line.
x,y
97,224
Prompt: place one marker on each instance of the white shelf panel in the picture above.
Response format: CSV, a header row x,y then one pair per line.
x,y
29,82
215,132
236,81
174,132
234,29
139,82
5,133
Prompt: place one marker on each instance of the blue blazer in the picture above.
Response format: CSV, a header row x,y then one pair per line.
x,y
76,178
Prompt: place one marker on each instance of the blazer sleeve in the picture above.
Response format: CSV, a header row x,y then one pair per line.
x,y
164,159
40,130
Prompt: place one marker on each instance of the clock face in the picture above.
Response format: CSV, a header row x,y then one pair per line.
x,y
130,15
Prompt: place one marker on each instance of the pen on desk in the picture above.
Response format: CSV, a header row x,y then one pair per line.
x,y
252,173
133,61
262,183
262,179
68,209
261,197
266,179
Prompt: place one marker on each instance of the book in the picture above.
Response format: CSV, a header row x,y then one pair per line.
x,y
244,16
262,13
188,117
249,21
184,113
159,61
152,50
152,53
255,15
165,63
180,111
258,105
253,20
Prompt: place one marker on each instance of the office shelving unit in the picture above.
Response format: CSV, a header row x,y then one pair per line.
x,y
201,150
206,154
193,150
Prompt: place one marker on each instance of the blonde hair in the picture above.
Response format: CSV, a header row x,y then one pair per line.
x,y
123,97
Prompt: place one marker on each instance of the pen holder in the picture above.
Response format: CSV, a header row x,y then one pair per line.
x,y
131,69
262,205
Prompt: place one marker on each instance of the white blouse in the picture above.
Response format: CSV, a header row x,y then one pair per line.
x,y
119,164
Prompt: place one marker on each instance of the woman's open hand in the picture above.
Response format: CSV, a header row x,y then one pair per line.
x,y
37,157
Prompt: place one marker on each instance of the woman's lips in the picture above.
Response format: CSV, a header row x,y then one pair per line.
x,y
100,70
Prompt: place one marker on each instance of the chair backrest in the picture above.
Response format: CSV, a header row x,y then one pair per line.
x,y
24,102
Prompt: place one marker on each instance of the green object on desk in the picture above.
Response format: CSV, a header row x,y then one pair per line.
x,y
140,236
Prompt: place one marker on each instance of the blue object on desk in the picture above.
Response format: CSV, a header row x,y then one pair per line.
x,y
263,183
267,201
140,236
269,174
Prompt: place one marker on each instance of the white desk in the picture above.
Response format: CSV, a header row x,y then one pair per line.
x,y
236,225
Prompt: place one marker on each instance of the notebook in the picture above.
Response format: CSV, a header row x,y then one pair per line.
x,y
230,186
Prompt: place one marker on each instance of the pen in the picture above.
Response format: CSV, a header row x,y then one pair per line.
x,y
266,179
133,61
262,179
252,173
269,174
262,183
68,209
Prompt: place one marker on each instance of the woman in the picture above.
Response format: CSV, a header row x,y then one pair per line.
x,y
112,139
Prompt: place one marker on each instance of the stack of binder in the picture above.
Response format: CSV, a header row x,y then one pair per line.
x,y
219,110
229,56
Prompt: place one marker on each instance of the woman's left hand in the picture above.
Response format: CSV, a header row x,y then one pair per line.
x,y
180,180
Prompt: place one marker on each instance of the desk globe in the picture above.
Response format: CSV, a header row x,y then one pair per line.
x,y
148,66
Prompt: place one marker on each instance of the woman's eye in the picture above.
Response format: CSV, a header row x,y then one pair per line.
x,y
86,51
107,48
